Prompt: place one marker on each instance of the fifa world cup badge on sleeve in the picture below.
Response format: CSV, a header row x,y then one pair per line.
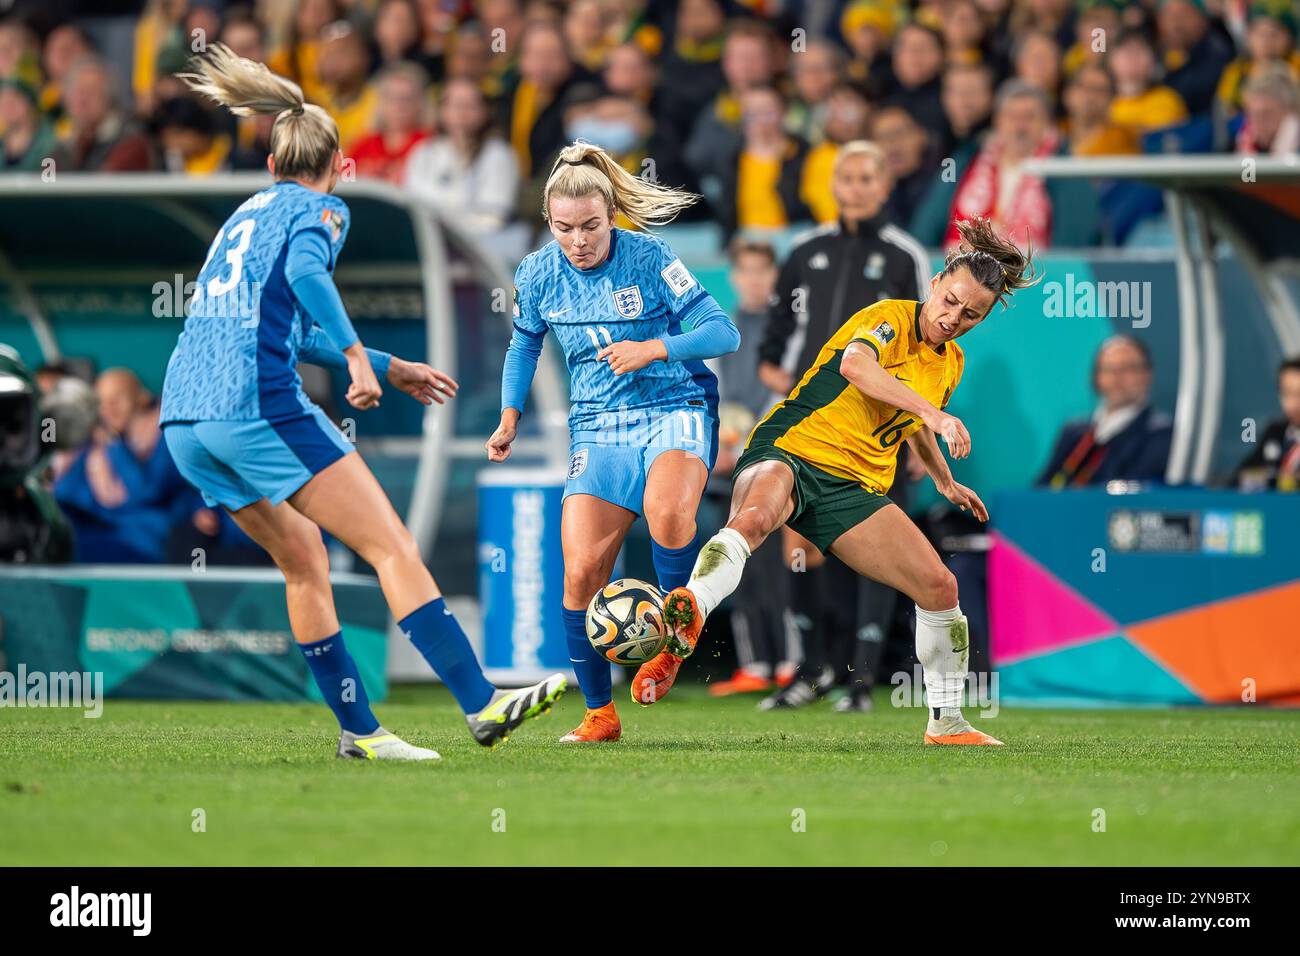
x,y
333,222
883,333
677,276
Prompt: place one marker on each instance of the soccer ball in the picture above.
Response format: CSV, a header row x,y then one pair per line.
x,y
625,622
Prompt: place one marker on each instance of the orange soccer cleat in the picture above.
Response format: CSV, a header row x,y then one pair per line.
x,y
599,725
684,620
655,677
741,682
968,738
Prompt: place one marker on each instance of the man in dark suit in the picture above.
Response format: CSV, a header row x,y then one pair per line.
x,y
1275,462
1125,439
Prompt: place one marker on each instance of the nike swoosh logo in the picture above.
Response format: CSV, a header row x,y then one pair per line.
x,y
561,312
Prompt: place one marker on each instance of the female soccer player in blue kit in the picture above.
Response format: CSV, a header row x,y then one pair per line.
x,y
242,430
644,417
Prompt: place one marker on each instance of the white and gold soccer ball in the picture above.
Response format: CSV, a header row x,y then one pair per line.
x,y
625,622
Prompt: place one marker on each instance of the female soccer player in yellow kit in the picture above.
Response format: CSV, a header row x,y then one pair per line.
x,y
822,460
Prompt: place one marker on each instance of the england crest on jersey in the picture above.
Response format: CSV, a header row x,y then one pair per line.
x,y
628,301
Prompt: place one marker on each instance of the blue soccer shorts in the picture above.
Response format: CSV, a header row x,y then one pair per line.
x,y
234,464
613,464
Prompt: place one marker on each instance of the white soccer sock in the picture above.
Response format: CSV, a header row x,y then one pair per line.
x,y
943,648
718,568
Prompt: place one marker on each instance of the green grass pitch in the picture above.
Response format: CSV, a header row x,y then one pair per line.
x,y
694,781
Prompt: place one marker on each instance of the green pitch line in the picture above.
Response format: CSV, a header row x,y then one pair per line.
x,y
694,780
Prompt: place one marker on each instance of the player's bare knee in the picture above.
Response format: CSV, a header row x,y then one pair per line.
x,y
755,522
582,579
393,546
938,590
403,548
302,556
672,527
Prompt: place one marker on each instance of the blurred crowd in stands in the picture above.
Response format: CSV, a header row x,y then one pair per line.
x,y
745,101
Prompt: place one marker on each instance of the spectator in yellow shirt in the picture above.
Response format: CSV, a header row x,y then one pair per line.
x,y
532,108
1141,104
297,57
1270,39
1096,25
764,190
848,118
160,26
189,139
64,46
868,28
1089,129
343,69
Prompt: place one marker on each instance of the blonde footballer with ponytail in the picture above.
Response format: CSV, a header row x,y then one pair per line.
x,y
583,169
242,430
636,328
304,138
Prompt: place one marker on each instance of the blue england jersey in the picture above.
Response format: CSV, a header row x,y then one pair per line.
x,y
641,291
236,359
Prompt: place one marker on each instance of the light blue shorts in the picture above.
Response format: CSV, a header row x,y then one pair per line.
x,y
234,464
612,464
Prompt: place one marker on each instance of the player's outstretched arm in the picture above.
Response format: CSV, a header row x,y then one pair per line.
x,y
924,446
860,366
331,335
319,349
422,382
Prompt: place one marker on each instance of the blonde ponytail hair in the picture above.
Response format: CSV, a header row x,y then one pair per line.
x,y
304,137
583,169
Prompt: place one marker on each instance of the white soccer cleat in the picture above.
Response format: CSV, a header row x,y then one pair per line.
x,y
509,708
381,745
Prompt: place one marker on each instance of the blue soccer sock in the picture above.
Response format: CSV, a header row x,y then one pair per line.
x,y
592,669
437,635
336,675
674,565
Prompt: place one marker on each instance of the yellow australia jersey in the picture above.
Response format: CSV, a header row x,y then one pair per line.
x,y
828,422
